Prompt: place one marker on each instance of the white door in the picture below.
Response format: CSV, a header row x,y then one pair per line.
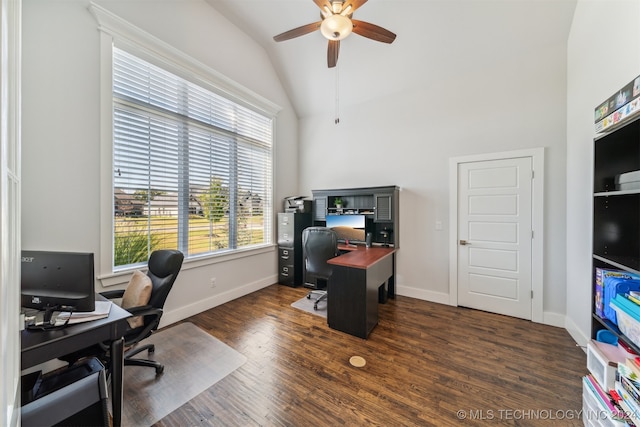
x,y
494,236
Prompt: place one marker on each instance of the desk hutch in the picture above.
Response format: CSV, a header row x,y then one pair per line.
x,y
379,204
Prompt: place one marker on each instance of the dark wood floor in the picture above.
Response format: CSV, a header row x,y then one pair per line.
x,y
427,365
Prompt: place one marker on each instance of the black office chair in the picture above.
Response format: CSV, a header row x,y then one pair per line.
x,y
163,268
319,244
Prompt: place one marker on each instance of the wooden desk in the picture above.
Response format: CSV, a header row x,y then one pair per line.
x,y
353,288
41,346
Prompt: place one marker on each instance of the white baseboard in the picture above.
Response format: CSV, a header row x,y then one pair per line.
x,y
578,336
421,294
553,319
184,312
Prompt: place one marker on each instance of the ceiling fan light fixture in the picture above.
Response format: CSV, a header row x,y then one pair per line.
x,y
336,27
336,24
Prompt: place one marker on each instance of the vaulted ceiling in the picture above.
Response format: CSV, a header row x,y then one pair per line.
x,y
435,38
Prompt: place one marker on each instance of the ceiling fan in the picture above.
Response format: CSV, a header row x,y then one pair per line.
x,y
336,24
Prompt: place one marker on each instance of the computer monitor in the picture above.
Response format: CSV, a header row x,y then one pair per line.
x,y
349,227
58,281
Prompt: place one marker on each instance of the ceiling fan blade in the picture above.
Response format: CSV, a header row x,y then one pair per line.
x,y
332,53
372,31
297,32
354,5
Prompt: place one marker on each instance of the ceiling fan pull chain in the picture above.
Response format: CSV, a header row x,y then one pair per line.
x,y
337,119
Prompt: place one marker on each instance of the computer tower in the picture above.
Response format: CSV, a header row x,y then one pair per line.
x,y
290,226
73,396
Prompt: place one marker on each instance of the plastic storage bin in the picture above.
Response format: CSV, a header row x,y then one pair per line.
x,y
602,362
628,181
604,294
614,286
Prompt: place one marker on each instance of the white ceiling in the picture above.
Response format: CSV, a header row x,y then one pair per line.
x,y
435,38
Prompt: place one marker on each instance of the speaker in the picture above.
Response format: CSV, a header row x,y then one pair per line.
x,y
369,239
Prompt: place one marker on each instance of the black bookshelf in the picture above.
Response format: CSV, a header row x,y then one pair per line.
x,y
616,212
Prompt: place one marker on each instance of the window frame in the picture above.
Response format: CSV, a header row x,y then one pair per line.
x,y
114,31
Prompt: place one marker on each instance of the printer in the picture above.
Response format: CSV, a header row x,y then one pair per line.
x,y
297,204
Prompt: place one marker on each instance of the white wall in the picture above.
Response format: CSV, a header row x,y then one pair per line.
x,y
60,189
404,139
603,56
407,140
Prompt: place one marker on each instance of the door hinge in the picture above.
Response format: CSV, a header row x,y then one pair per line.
x,y
531,294
532,174
532,234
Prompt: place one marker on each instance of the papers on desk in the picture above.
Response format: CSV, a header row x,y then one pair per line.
x,y
101,311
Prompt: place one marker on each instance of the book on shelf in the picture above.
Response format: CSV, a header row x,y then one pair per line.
x,y
631,389
604,398
628,389
634,369
626,403
633,297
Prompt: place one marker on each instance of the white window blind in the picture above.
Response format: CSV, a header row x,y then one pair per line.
x,y
192,169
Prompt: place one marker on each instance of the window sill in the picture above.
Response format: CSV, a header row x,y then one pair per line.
x,y
121,277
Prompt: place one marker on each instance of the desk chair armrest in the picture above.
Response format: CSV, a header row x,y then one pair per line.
x,y
118,293
144,310
150,324
151,317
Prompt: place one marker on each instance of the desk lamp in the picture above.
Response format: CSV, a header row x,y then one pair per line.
x,y
385,236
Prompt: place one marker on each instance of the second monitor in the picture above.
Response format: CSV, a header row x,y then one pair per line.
x,y
57,281
348,227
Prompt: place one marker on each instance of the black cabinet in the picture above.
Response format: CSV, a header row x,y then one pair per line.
x,y
354,294
616,211
319,208
290,226
383,207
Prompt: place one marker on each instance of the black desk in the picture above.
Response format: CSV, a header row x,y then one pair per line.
x,y
353,290
41,346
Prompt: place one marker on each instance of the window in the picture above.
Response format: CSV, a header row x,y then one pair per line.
x,y
192,168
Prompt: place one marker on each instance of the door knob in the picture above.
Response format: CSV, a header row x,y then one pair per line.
x,y
464,243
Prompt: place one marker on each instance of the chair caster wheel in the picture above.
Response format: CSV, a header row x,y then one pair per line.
x,y
308,296
159,369
152,349
315,306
